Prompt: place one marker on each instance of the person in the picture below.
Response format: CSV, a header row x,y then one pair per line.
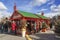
x,y
13,27
32,29
8,23
1,27
5,27
50,25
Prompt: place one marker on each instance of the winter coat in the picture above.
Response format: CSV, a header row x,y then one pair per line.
x,y
13,26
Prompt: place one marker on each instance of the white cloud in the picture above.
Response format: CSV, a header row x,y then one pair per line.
x,y
55,8
3,11
42,1
2,6
32,4
59,7
5,14
29,7
38,2
26,7
51,1
51,14
43,9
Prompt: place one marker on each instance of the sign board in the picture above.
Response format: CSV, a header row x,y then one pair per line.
x,y
16,16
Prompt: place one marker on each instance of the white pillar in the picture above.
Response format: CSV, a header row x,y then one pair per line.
x,y
23,32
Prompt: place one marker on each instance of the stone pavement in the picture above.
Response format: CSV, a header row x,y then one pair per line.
x,y
47,32
49,35
10,37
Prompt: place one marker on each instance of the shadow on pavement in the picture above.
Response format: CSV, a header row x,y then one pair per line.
x,y
44,37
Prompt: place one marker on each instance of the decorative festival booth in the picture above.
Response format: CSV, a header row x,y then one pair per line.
x,y
32,20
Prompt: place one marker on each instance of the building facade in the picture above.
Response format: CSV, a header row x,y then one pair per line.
x,y
33,21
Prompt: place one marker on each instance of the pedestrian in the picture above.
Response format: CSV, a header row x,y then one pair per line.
x,y
8,23
1,27
5,27
13,27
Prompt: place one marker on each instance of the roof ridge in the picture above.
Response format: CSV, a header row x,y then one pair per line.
x,y
25,11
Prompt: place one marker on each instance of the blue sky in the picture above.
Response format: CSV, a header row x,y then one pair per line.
x,y
21,3
34,6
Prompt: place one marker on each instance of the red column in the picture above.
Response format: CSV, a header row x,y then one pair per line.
x,y
23,19
37,26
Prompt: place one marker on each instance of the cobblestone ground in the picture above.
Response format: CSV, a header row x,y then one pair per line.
x,y
10,37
